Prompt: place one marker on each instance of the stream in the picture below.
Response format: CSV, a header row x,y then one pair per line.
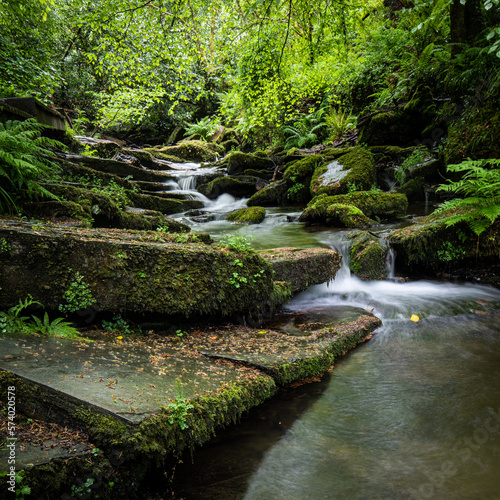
x,y
413,413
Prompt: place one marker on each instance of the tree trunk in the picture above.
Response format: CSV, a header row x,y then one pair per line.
x,y
466,22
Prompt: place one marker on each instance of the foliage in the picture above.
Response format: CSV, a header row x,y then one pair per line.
x,y
306,131
178,409
237,242
22,490
204,127
416,158
56,328
339,122
77,295
24,160
84,490
5,246
480,186
118,325
12,322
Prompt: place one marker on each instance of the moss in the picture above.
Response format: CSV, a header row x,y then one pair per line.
x,y
358,172
253,215
372,203
339,215
56,209
261,174
145,157
368,256
430,244
237,162
190,151
297,177
158,276
231,185
230,144
270,196
414,189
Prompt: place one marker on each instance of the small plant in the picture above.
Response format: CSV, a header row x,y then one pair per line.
x,y
24,160
178,409
238,243
22,490
12,322
84,490
163,229
77,296
117,325
352,187
305,131
204,127
294,191
5,246
416,158
451,252
480,186
142,275
56,328
180,333
340,122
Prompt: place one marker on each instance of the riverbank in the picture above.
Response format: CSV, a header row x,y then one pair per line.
x,y
133,405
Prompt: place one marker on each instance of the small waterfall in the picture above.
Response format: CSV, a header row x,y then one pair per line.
x,y
390,263
344,273
187,183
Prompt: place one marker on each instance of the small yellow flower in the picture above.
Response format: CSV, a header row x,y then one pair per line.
x,y
119,337
414,318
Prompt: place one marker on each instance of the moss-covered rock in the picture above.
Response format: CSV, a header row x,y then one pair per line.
x,y
373,204
353,171
253,215
273,195
237,162
340,215
138,273
401,126
238,187
368,256
189,151
297,177
430,244
475,135
303,268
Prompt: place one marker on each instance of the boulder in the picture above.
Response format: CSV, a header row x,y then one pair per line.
x,y
273,195
235,186
368,255
373,204
353,171
303,268
253,215
237,162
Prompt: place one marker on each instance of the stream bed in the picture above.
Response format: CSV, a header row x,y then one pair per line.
x,y
413,413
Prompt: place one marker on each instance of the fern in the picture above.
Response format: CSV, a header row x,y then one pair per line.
x,y
24,160
480,186
305,131
56,328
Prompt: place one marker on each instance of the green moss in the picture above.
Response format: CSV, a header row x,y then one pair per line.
x,y
368,256
339,215
237,162
190,151
360,167
253,215
371,203
231,185
270,196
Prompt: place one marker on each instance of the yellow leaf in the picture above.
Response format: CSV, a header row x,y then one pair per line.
x,y
414,318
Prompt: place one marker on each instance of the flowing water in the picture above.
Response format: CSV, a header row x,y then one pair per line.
x,y
413,413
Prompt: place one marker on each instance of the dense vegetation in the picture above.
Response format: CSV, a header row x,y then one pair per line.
x,y
278,73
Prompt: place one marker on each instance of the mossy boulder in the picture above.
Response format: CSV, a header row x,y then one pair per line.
x,y
303,268
373,204
137,272
273,195
431,244
368,256
341,215
235,186
353,171
237,162
198,151
401,126
253,215
297,177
